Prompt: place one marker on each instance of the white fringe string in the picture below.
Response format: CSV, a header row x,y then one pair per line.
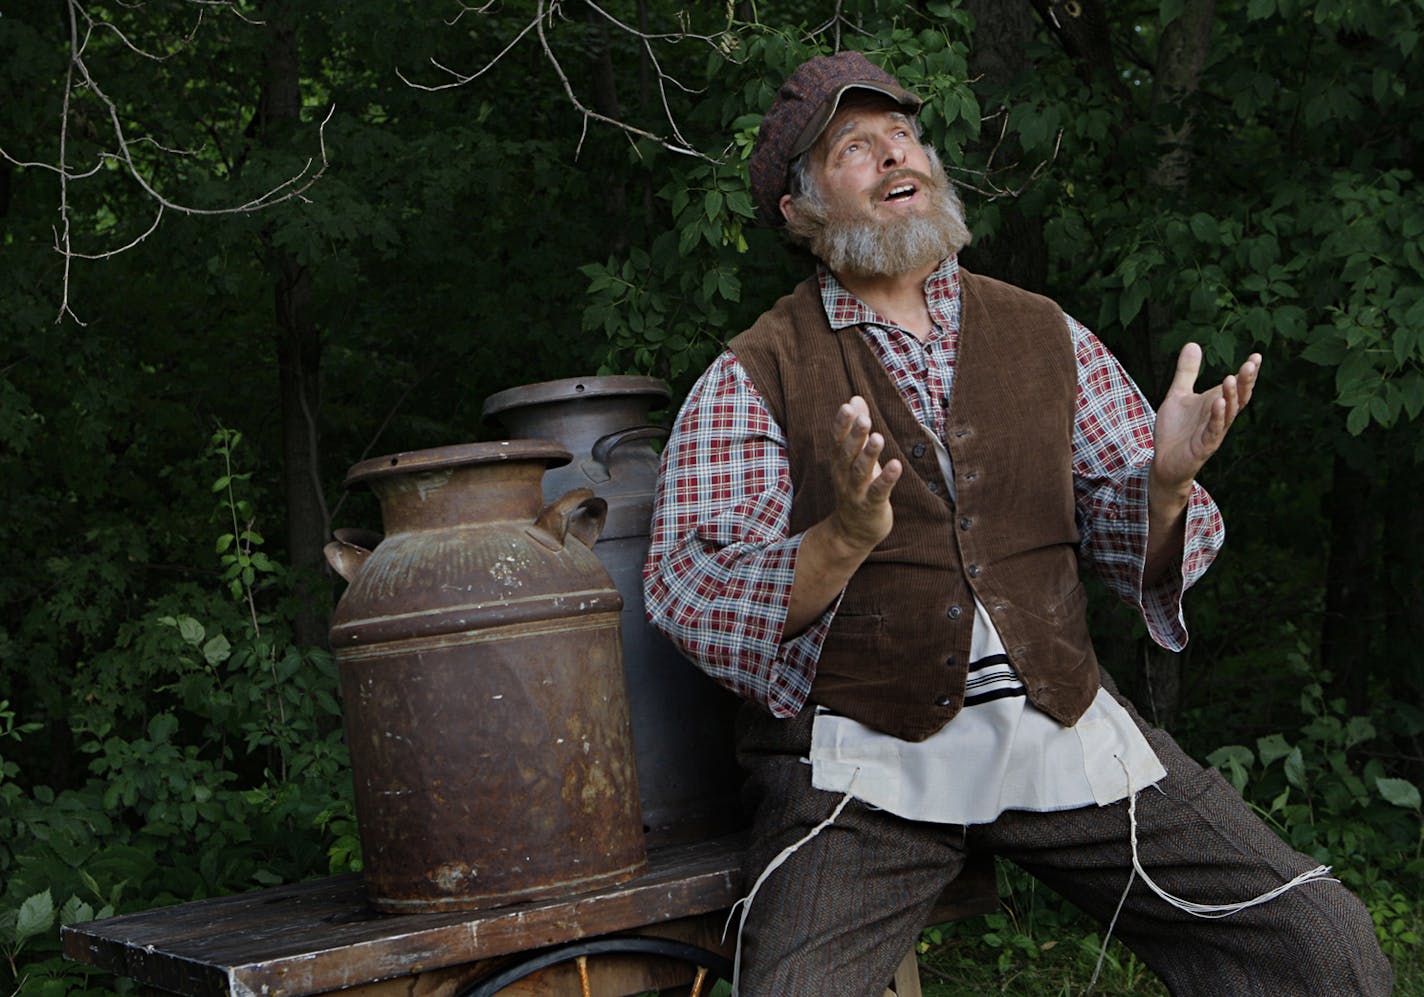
x,y
1103,952
746,902
1211,910
1320,872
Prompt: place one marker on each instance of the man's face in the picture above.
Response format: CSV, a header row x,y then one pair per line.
x,y
880,203
868,163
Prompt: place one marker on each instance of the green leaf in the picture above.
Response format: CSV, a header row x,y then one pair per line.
x,y
1295,769
162,727
1204,227
1272,748
1171,10
75,911
1327,352
1358,730
1131,301
741,203
217,650
36,916
1400,792
190,629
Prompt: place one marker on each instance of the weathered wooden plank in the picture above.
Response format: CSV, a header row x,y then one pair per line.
x,y
310,938
319,936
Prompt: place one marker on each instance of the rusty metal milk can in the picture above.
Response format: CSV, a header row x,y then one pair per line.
x,y
682,720
482,685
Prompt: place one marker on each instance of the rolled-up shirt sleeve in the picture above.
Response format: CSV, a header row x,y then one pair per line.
x,y
720,560
1112,454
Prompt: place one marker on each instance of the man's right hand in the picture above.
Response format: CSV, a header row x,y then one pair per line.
x,y
863,516
834,548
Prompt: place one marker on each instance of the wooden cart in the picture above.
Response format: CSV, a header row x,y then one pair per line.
x,y
659,932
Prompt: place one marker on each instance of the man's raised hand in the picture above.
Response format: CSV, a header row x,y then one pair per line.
x,y
1191,424
863,516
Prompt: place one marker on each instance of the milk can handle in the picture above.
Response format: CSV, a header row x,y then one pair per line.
x,y
348,552
579,513
603,447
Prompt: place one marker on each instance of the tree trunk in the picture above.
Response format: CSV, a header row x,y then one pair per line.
x,y
1403,592
605,102
1181,53
1018,252
1180,56
298,343
1351,591
1403,587
1081,27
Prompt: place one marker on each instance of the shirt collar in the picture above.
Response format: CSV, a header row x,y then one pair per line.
x,y
941,294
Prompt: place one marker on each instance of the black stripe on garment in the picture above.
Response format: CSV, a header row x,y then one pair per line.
x,y
993,694
987,660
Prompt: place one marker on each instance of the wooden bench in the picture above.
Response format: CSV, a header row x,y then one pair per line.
x,y
321,936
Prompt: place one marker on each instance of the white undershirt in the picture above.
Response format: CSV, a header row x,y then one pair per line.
x,y
999,753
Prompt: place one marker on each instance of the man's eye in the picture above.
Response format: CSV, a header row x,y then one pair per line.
x,y
851,149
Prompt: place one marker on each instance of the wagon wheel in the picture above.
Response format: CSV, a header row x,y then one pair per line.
x,y
702,969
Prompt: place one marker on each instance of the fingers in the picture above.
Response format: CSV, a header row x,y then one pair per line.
x,y
879,490
1246,379
1236,392
862,517
858,470
854,437
1188,367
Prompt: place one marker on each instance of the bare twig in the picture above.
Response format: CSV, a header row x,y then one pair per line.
x,y
79,78
461,79
548,15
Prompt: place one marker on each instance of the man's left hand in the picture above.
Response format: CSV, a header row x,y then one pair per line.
x,y
1191,425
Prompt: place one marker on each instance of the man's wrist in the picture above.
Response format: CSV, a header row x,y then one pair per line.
x,y
1166,499
842,544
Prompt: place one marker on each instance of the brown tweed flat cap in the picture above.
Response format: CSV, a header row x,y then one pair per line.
x,y
803,106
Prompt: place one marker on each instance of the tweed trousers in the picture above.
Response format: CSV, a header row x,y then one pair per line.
x,y
838,916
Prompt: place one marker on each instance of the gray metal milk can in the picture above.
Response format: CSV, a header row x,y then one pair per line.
x,y
482,684
682,720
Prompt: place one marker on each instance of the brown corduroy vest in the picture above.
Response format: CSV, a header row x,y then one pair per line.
x,y
897,654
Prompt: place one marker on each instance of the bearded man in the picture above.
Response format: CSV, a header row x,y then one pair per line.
x,y
868,525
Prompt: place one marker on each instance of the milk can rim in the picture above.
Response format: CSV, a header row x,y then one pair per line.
x,y
457,455
574,388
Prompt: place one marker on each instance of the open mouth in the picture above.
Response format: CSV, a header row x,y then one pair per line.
x,y
902,191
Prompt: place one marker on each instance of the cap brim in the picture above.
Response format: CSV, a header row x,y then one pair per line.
x,y
828,109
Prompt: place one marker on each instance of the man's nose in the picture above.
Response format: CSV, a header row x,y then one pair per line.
x,y
891,156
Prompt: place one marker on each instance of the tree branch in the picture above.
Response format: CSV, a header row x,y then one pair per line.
x,y
79,77
546,11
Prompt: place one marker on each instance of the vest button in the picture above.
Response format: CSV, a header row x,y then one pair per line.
x,y
954,612
943,702
971,475
965,523
934,487
918,450
951,660
974,571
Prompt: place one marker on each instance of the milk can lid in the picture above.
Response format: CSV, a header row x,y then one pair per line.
x,y
458,455
571,388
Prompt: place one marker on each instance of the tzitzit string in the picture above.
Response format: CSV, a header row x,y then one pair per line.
x,y
1320,872
746,902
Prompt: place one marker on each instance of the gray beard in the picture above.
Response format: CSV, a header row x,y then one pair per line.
x,y
867,247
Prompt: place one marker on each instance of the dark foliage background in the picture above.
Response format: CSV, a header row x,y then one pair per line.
x,y
176,417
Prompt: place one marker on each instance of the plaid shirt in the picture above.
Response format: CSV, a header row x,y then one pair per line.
x,y
721,562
